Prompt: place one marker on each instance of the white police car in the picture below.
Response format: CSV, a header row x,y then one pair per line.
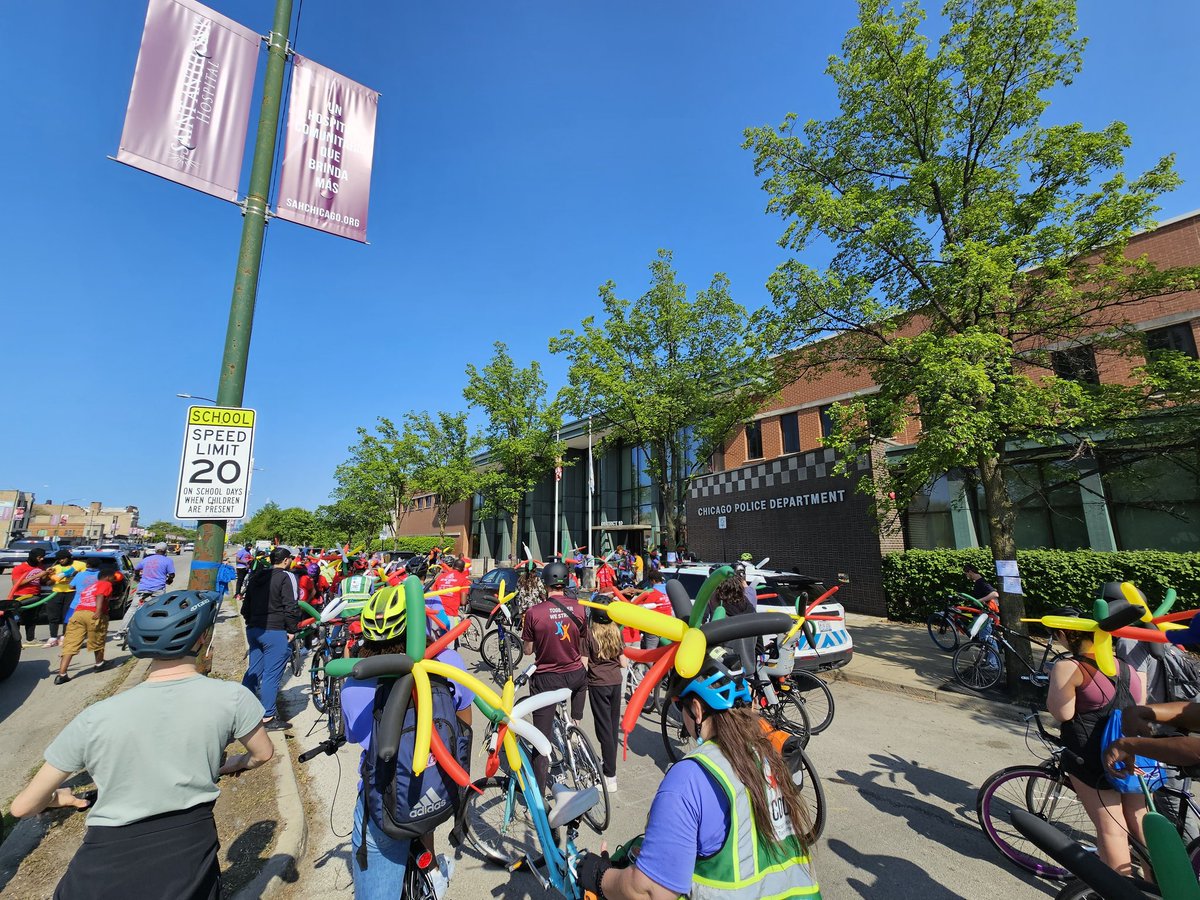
x,y
787,592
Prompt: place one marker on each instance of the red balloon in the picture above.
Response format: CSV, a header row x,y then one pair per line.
x,y
829,593
447,639
493,759
638,700
1176,616
448,763
637,654
1142,634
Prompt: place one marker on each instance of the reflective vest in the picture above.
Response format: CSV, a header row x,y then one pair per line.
x,y
745,866
358,587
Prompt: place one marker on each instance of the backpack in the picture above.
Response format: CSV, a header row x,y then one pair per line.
x,y
1127,783
1181,675
402,804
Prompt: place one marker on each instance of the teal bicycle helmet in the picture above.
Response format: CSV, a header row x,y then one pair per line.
x,y
720,684
170,626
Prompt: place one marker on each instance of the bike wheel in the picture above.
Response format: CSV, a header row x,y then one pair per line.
x,y
316,681
674,734
804,776
417,885
1043,791
1079,890
473,637
789,715
817,699
498,823
502,656
584,767
296,658
333,709
977,665
942,631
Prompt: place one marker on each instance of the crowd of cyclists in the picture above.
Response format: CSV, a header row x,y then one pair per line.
x,y
728,823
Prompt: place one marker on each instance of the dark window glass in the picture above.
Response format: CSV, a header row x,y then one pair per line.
x,y
754,440
826,421
789,426
1173,337
1076,364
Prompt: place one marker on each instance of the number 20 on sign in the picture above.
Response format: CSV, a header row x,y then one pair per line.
x,y
214,471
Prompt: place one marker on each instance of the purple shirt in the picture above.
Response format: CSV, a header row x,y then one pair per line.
x,y
243,558
689,818
154,570
358,701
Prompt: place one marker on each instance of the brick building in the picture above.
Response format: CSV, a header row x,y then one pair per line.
x,y
771,492
16,508
420,520
82,524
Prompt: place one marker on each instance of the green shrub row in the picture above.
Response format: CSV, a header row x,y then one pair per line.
x,y
916,582
417,543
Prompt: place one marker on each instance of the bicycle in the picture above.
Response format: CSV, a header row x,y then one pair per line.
x,y
501,648
418,884
948,625
326,692
472,638
574,757
779,664
979,663
635,673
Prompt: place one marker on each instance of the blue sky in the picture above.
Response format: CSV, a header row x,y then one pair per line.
x,y
526,152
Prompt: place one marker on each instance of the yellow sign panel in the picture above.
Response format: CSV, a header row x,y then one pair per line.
x,y
221,415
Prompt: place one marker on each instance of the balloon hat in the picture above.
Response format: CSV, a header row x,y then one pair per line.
x,y
1103,627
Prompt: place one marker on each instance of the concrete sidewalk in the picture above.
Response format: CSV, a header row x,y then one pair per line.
x,y
899,657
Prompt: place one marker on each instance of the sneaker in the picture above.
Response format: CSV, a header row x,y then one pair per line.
x,y
610,782
100,667
61,679
50,642
439,882
277,724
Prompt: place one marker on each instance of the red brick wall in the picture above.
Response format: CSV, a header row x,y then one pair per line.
x,y
422,520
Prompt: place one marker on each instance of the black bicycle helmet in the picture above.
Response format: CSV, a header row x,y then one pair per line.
x,y
417,565
555,575
599,615
170,626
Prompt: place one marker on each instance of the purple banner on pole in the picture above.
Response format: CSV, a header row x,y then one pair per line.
x,y
190,102
325,180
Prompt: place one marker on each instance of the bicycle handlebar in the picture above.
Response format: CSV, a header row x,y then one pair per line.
x,y
1087,866
522,679
328,747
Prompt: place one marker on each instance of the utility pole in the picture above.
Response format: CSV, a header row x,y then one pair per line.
x,y
210,543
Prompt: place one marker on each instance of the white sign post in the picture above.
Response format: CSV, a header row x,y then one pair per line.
x,y
214,471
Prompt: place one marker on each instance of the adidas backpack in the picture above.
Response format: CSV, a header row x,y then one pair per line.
x,y
401,803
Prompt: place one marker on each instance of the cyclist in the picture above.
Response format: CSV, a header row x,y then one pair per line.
x,y
554,634
272,616
155,753
156,573
605,675
692,847
380,860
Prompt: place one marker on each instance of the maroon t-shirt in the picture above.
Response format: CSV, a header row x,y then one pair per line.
x,y
557,642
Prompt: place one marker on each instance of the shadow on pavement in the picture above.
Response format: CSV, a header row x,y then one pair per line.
x,y
245,858
20,684
895,877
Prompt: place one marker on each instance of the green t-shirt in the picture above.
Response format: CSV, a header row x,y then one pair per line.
x,y
157,747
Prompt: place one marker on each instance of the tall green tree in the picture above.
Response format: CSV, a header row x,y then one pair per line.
x,y
520,434
290,525
347,522
673,375
377,481
970,239
442,452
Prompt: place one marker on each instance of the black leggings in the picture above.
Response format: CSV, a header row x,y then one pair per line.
x,y
55,607
543,719
606,712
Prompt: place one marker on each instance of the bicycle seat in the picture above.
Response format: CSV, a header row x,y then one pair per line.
x,y
571,805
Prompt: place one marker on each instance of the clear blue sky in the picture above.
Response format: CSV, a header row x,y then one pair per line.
x,y
526,152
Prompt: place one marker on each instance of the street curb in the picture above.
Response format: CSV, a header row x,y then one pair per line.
x,y
27,834
948,693
281,868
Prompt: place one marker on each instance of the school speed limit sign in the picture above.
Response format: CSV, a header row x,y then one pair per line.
x,y
214,473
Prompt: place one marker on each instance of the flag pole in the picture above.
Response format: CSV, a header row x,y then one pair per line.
x,y
557,482
591,520
210,541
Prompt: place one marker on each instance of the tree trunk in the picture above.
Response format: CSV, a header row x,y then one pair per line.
x,y
513,556
1002,520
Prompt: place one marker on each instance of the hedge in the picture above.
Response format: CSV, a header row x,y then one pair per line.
x,y
916,582
417,543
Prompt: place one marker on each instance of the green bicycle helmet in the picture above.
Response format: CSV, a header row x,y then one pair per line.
x,y
386,616
171,625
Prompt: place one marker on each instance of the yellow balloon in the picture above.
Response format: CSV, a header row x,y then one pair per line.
x,y
1067,623
510,750
506,696
502,597
690,655
424,733
1106,662
443,592
1134,596
633,616
466,679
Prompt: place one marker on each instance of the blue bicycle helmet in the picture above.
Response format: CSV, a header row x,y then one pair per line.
x,y
170,626
720,684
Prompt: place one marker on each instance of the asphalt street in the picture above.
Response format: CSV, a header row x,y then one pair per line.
x,y
33,709
900,777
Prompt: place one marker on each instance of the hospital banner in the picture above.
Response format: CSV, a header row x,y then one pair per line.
x,y
325,180
190,102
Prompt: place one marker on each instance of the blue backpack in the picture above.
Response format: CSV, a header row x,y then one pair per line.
x,y
401,803
1127,782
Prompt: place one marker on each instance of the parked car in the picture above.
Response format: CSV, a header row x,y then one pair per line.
x,y
100,559
485,590
18,551
792,593
189,547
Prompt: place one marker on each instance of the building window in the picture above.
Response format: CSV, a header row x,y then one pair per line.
x,y
826,420
1174,337
789,427
754,448
1076,364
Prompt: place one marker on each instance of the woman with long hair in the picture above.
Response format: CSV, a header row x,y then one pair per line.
x,y
731,595
606,661
1081,698
531,590
727,821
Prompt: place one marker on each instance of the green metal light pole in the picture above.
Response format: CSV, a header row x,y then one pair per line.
x,y
210,545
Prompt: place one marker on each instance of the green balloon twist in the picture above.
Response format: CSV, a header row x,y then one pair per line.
x,y
711,583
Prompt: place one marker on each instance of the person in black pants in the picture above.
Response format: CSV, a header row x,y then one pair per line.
x,y
606,659
555,635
